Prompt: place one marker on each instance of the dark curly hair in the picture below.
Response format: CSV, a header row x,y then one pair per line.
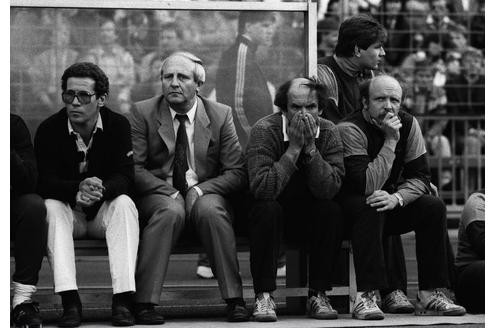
x,y
90,70
281,99
360,30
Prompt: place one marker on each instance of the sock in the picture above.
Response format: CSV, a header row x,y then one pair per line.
x,y
236,301
122,298
22,293
70,298
314,292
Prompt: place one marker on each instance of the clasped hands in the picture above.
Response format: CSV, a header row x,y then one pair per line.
x,y
90,192
302,132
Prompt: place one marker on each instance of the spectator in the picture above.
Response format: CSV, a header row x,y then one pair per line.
x,y
387,190
137,29
466,96
359,51
84,155
50,64
151,85
117,63
27,225
295,167
470,259
328,33
240,83
188,160
169,41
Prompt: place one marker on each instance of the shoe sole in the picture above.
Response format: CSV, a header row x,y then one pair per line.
x,y
265,318
455,313
122,324
372,316
139,322
330,316
28,326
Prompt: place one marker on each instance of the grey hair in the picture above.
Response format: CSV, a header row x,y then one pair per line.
x,y
199,72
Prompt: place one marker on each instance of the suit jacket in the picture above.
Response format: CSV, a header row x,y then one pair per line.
x,y
109,158
217,152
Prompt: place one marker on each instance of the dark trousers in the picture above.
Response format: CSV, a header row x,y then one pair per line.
x,y
28,230
470,287
426,217
307,223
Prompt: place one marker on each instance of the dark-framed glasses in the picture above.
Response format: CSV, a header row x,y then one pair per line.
x,y
83,97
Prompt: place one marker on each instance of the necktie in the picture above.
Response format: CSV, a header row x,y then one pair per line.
x,y
180,159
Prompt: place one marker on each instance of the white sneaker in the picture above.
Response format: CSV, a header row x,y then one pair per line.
x,y
439,304
204,272
397,302
264,308
365,307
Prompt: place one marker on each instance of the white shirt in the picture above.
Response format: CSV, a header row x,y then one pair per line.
x,y
81,146
285,124
191,176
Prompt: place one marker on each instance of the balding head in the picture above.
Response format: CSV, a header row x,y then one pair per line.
x,y
198,69
300,83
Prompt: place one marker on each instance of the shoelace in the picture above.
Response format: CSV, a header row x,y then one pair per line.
x,y
368,299
398,297
439,299
322,301
264,304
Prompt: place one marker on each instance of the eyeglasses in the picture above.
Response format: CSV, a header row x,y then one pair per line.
x,y
83,97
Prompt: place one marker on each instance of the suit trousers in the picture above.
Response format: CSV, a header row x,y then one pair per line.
x,y
426,216
116,221
163,220
28,230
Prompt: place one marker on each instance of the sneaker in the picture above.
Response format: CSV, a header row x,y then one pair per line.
x,y
366,308
281,271
318,307
396,302
439,304
264,308
204,272
26,315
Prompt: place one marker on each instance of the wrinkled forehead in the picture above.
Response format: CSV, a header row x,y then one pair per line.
x,y
385,85
178,63
300,93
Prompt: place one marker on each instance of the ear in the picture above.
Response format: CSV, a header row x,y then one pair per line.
x,y
364,101
357,51
101,100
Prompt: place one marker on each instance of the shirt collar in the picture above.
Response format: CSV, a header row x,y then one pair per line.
x,y
347,66
191,114
99,125
285,123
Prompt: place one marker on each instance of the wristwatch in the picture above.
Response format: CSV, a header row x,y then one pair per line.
x,y
399,197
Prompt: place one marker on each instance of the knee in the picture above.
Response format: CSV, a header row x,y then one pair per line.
x,y
55,210
211,209
168,215
124,203
33,210
436,209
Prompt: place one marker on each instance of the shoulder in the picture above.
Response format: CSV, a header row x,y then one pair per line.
x,y
55,124
474,209
214,110
148,105
113,118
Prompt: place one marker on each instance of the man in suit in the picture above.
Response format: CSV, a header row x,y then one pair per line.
x,y
84,155
187,160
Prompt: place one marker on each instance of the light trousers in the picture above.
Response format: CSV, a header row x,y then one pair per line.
x,y
116,221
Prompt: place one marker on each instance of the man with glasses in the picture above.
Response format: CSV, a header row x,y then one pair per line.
x,y
85,162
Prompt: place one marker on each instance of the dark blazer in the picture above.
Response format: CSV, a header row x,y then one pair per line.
x,y
110,158
217,152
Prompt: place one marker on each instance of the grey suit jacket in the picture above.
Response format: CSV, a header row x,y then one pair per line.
x,y
217,153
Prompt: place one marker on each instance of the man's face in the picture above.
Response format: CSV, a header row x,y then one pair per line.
x,y
302,99
169,40
330,38
371,57
261,32
178,85
458,40
80,114
107,33
435,49
472,64
424,78
385,96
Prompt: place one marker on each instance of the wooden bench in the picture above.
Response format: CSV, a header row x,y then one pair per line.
x,y
294,291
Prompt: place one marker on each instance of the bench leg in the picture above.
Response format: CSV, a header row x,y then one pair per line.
x,y
352,280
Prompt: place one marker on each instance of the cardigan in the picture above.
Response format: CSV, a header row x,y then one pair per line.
x,y
109,158
270,170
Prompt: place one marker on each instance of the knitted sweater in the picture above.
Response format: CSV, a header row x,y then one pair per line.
x,y
270,169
